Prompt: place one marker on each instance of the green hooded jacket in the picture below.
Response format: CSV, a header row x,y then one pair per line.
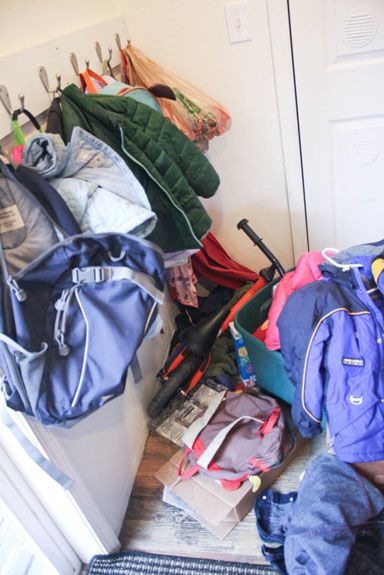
x,y
171,169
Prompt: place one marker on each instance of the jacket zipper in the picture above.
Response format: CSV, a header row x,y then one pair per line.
x,y
160,186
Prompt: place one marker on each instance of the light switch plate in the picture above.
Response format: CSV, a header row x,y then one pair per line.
x,y
237,22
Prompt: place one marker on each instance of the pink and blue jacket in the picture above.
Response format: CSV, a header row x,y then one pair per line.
x,y
332,334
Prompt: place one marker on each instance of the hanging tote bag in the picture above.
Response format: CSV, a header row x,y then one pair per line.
x,y
195,113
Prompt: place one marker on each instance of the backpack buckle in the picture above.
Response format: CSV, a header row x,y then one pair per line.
x,y
88,275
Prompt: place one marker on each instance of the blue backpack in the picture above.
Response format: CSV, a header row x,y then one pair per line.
x,y
74,309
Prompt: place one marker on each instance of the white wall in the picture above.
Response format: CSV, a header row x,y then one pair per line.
x,y
24,23
190,38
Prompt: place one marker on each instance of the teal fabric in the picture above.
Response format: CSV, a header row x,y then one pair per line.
x,y
113,89
171,169
139,94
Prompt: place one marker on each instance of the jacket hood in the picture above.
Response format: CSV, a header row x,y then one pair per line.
x,y
368,254
94,181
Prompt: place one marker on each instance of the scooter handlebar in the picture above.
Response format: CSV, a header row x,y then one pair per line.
x,y
246,228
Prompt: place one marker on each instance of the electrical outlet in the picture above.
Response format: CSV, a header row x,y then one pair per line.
x,y
237,22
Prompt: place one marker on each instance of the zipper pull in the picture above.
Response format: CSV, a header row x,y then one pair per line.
x,y
17,290
61,306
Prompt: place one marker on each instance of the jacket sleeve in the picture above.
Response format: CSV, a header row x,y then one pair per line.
x,y
303,336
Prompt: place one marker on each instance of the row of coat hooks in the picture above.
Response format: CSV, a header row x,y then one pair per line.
x,y
43,75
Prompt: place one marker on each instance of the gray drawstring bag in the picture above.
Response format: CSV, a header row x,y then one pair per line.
x,y
240,435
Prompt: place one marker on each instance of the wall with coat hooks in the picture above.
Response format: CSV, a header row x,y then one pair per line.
x,y
190,39
19,70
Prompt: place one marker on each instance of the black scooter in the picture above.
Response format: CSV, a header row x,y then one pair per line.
x,y
191,357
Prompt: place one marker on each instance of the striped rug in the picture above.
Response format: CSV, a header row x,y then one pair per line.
x,y
138,563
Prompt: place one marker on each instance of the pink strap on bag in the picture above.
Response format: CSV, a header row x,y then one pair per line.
x,y
268,425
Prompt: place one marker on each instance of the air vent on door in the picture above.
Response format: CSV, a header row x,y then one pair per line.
x,y
360,28
363,151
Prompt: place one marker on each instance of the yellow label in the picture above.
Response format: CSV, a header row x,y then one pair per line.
x,y
377,268
256,482
10,219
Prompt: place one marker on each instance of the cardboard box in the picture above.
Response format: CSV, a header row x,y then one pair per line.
x,y
218,509
220,530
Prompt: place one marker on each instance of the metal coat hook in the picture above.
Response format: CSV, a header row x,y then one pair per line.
x,y
74,63
100,53
44,80
5,100
118,41
14,114
106,63
22,100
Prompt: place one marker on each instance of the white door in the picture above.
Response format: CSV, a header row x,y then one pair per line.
x,y
338,53
30,542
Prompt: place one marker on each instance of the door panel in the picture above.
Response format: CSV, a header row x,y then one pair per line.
x,y
358,178
338,48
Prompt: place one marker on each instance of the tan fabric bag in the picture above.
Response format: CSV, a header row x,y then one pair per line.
x,y
195,113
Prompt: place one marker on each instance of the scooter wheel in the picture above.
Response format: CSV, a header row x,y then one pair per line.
x,y
182,373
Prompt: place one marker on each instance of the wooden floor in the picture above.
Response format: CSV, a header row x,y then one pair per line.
x,y
153,526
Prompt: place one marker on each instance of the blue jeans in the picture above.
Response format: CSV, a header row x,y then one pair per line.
x,y
334,525
273,512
